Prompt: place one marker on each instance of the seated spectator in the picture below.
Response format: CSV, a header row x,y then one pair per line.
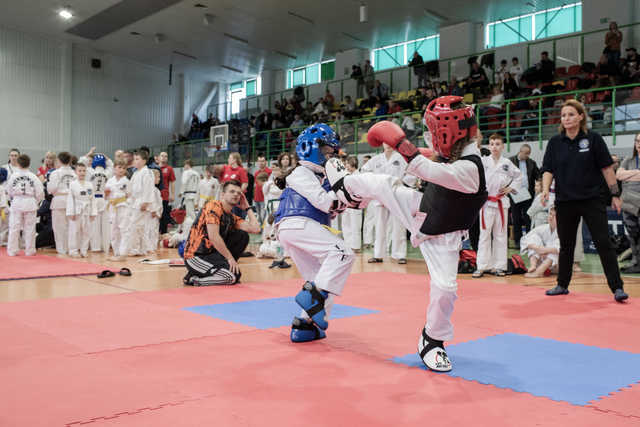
x,y
631,66
543,71
510,86
393,107
477,80
218,238
529,127
321,108
542,246
298,94
455,88
418,68
408,126
496,102
380,91
516,70
329,99
349,108
500,71
356,74
297,123
381,109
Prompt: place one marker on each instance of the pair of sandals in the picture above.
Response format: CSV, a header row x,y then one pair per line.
x,y
108,273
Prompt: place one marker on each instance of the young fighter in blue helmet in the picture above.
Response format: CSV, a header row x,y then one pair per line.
x,y
99,175
306,207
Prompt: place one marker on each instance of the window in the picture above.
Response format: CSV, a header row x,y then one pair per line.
x,y
311,74
539,25
399,55
243,89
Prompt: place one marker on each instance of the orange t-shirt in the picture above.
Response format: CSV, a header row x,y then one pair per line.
x,y
198,242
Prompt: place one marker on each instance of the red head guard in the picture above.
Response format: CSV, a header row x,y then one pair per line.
x,y
178,215
449,119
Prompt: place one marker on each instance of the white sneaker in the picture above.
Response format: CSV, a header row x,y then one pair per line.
x,y
433,354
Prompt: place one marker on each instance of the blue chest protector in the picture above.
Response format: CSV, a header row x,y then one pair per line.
x,y
293,204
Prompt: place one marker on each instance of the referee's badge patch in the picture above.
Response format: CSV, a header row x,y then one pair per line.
x,y
584,145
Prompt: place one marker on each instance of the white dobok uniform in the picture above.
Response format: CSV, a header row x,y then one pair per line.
x,y
189,190
58,186
140,192
320,256
4,214
389,226
81,203
441,252
152,226
542,235
25,191
494,215
100,239
118,210
208,189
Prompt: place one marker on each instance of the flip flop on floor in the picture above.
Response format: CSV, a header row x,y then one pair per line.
x,y
125,271
106,273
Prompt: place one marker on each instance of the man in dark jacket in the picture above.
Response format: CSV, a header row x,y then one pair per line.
x,y
530,173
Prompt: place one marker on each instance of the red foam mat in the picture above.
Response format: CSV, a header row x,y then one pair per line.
x,y
40,266
139,359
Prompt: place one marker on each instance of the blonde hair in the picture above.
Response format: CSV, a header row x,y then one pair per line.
x,y
579,107
237,157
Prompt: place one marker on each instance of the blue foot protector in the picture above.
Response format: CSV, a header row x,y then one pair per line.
x,y
311,299
304,331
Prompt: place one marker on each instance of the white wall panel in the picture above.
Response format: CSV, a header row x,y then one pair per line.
x,y
30,94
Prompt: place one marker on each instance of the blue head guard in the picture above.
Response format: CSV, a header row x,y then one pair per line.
x,y
99,160
181,249
310,141
3,175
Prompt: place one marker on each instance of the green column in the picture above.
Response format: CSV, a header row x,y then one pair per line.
x,y
540,122
508,124
613,116
355,136
268,143
409,74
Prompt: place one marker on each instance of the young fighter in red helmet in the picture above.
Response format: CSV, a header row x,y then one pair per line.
x,y
438,218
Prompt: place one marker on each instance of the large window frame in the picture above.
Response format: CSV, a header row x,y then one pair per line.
x,y
518,26
406,53
243,89
308,74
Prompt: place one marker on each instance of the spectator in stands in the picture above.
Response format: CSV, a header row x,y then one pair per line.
x,y
369,76
500,72
381,109
195,121
516,70
329,99
418,68
277,122
298,94
168,191
530,173
349,108
297,123
455,89
541,72
496,101
631,66
477,81
321,108
510,86
380,91
530,121
356,74
47,165
393,107
612,42
408,126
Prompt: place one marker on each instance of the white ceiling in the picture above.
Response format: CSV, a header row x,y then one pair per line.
x,y
267,25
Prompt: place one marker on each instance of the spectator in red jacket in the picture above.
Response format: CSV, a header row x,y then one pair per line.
x,y
258,195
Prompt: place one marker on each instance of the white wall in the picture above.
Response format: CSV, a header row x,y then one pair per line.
x,y
31,95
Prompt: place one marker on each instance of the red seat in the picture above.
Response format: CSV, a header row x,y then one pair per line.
x,y
561,71
572,84
588,97
574,70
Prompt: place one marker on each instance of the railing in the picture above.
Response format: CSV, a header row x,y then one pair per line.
x,y
614,110
570,49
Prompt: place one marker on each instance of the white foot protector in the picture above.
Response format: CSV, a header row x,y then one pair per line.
x,y
433,354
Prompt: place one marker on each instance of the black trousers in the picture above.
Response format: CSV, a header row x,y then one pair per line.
x,y
594,212
165,219
520,219
236,241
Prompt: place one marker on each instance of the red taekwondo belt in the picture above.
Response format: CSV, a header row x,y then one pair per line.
x,y
497,199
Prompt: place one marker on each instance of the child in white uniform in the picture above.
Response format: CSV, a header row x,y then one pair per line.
x,y
141,197
4,207
99,174
116,193
152,226
438,218
352,218
25,192
189,189
304,212
542,246
81,211
59,182
502,178
208,188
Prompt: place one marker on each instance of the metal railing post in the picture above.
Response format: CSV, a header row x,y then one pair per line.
x,y
508,125
355,136
268,143
540,122
613,116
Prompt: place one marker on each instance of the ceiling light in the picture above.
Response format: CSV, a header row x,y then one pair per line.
x,y
65,13
134,33
364,13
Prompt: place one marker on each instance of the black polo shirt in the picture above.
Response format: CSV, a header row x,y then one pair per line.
x,y
577,165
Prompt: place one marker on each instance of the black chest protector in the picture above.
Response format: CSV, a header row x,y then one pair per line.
x,y
449,210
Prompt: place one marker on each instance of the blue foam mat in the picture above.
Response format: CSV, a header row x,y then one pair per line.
x,y
269,313
558,370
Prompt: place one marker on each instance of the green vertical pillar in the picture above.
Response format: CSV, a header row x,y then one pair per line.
x,y
540,122
613,116
409,74
508,124
268,143
355,136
